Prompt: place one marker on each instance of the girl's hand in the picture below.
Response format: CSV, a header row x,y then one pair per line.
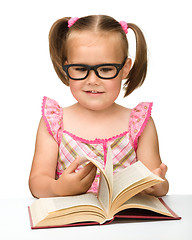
x,y
74,182
161,188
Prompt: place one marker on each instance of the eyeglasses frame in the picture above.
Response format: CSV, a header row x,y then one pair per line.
x,y
94,68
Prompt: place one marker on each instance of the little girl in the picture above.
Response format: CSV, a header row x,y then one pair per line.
x,y
90,55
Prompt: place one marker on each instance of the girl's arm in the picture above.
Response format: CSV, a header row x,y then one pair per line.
x,y
42,181
148,154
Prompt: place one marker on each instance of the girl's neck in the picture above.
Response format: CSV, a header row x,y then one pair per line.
x,y
90,124
96,113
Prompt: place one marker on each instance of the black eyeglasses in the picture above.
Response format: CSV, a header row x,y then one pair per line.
x,y
103,71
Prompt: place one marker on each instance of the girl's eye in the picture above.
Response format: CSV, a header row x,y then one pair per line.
x,y
105,69
80,69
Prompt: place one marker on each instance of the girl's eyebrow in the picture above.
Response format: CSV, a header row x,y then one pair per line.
x,y
106,63
102,64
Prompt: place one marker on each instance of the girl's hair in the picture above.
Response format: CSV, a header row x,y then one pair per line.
x,y
60,33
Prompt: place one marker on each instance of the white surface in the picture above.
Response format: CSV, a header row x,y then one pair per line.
x,y
14,224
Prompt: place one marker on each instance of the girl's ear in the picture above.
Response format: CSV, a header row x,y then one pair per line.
x,y
127,67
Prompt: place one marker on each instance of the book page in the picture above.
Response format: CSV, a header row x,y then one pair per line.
x,y
148,202
98,165
109,168
106,179
59,203
38,211
41,207
129,176
107,172
103,193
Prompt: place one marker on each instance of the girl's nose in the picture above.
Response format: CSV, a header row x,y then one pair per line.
x,y
92,78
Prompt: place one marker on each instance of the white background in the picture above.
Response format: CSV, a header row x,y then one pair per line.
x,y
26,75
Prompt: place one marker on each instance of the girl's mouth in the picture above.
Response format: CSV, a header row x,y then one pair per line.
x,y
94,92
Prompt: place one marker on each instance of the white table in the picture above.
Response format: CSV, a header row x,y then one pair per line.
x,y
14,224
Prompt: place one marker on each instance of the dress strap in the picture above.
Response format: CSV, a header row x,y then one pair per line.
x,y
53,116
138,121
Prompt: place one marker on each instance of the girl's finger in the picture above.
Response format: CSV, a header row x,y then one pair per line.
x,y
73,166
82,173
163,168
90,176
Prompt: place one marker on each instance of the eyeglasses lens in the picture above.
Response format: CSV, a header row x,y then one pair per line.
x,y
107,71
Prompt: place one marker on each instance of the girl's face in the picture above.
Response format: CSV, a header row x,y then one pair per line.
x,y
90,48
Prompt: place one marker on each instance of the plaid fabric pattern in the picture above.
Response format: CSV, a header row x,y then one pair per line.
x,y
123,145
71,146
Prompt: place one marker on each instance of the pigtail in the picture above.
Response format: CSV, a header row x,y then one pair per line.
x,y
57,43
138,71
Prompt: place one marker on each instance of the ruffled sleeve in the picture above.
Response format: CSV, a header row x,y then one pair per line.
x,y
53,116
138,121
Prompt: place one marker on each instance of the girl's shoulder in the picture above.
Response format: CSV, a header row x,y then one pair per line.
x,y
139,113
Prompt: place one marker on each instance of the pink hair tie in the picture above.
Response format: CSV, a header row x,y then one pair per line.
x,y
124,26
72,21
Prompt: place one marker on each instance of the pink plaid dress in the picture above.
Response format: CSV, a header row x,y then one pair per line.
x,y
123,145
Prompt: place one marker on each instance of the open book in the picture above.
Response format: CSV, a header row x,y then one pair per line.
x,y
119,196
